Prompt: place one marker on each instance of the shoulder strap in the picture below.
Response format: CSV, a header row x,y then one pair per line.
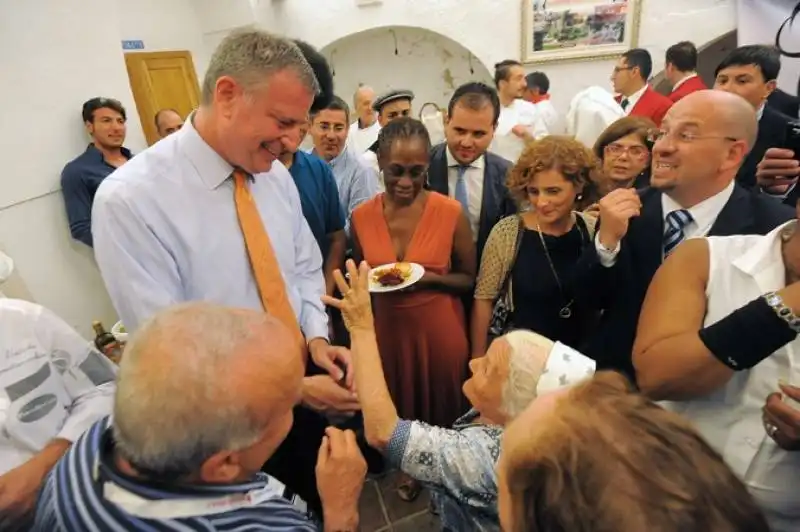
x,y
590,222
515,252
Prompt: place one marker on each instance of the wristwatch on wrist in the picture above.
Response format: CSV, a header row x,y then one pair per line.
x,y
782,310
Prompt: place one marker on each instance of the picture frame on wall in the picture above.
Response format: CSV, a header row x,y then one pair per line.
x,y
571,30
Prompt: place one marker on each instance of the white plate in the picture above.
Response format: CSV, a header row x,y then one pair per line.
x,y
116,330
417,271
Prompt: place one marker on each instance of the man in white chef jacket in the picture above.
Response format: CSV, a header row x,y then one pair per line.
x,y
53,386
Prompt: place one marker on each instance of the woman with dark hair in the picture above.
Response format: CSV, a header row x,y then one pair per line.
x,y
421,331
624,151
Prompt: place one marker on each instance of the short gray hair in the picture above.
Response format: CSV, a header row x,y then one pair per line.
x,y
526,361
251,56
175,407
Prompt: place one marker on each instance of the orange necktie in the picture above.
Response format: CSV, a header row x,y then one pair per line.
x,y
266,269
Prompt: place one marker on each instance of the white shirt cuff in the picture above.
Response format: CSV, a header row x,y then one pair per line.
x,y
607,257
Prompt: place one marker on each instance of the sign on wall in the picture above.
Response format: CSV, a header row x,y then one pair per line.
x,y
759,23
133,45
557,30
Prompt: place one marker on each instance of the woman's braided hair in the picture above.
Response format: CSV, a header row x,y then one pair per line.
x,y
403,128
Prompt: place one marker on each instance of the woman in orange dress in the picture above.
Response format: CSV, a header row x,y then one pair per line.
x,y
421,331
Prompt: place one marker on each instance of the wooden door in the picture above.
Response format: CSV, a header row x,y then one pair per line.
x,y
162,80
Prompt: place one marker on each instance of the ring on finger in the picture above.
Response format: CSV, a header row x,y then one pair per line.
x,y
771,429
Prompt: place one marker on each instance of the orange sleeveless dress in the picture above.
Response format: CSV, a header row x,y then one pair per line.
x,y
422,335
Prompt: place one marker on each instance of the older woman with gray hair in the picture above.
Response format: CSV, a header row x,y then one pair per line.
x,y
457,464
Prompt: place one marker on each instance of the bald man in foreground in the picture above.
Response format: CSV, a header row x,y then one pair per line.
x,y
204,397
364,131
701,144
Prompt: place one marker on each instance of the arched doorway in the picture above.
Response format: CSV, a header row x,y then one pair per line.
x,y
428,63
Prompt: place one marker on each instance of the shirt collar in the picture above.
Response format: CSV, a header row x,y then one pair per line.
x,y
705,212
210,166
92,150
634,98
106,469
760,111
684,80
477,163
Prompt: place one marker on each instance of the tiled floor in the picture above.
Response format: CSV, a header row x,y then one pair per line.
x,y
383,511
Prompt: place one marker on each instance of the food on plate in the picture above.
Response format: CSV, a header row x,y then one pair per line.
x,y
394,275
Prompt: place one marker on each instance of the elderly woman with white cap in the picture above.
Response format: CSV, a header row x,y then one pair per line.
x,y
457,464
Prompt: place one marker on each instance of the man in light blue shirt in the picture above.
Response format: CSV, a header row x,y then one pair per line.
x,y
166,228
356,182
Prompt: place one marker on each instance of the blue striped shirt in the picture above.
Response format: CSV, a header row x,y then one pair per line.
x,y
356,182
72,497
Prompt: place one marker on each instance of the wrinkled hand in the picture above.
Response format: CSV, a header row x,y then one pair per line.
x,y
616,210
326,396
18,491
777,171
333,359
341,471
782,418
521,131
356,304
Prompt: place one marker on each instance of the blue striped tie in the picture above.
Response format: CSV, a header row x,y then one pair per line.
x,y
674,235
461,195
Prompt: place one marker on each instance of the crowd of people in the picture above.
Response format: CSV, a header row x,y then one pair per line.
x,y
604,336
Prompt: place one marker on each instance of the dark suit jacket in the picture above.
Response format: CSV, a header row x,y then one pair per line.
x,y
689,86
652,104
771,134
621,289
497,202
784,103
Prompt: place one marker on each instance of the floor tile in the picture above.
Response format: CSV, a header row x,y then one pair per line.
x,y
396,507
422,522
370,510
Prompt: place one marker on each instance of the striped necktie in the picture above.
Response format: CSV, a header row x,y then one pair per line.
x,y
461,194
264,263
673,234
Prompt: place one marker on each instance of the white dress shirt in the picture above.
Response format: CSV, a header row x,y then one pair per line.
x,y
633,99
590,112
52,383
742,268
522,113
166,231
552,120
473,177
704,214
360,139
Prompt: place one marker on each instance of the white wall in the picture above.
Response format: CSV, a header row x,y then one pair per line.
x,y
431,65
55,55
165,25
491,30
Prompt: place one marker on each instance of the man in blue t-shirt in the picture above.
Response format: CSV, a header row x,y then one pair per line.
x,y
319,198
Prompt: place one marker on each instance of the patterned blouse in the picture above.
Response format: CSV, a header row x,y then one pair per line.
x,y
457,464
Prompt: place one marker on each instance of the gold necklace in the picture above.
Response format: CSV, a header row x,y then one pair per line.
x,y
566,310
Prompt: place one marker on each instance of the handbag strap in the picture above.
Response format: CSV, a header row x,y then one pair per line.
x,y
507,279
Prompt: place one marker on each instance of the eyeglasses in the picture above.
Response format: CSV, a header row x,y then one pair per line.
x,y
654,135
635,152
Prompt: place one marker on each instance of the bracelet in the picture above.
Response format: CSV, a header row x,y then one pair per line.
x,y
781,310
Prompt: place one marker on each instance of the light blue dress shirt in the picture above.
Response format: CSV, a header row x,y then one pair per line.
x,y
166,231
356,181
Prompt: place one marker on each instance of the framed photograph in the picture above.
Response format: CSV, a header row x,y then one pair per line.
x,y
565,30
